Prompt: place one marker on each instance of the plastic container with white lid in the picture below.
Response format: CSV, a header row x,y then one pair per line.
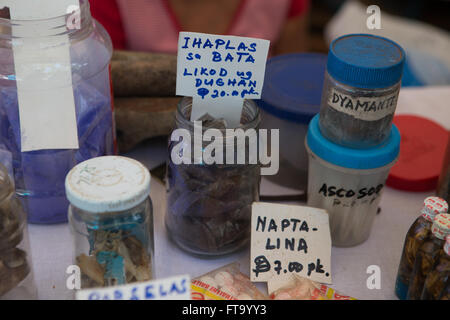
x,y
290,99
360,90
111,218
348,183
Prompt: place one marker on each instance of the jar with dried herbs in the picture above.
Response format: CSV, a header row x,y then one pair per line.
x,y
427,255
437,283
419,231
208,203
111,218
16,279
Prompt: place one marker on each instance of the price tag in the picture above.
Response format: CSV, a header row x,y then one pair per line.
x,y
174,288
288,240
44,76
219,72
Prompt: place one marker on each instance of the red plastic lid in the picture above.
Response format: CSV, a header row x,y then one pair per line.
x,y
422,150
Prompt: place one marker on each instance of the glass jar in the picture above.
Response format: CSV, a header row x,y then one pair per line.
x,y
419,231
437,283
427,255
360,90
443,189
111,218
39,175
209,205
16,277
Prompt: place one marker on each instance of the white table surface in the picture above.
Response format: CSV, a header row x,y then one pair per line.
x,y
51,245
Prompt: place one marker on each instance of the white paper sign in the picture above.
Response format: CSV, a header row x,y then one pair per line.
x,y
174,288
219,72
288,240
44,76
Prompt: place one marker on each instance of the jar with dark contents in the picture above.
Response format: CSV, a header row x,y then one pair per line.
x,y
361,88
419,231
111,217
16,279
437,283
209,203
443,189
427,255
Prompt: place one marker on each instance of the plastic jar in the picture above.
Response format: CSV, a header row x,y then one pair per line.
x,y
39,175
111,218
290,99
348,183
360,91
209,205
16,277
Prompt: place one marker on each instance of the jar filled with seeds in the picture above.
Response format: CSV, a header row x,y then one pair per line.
x,y
16,279
419,231
111,217
209,203
437,283
427,255
361,88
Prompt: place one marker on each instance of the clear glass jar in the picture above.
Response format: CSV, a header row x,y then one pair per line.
x,y
419,231
209,205
360,91
111,218
39,175
16,276
437,283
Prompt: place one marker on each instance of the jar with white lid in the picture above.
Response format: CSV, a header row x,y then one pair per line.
x,y
111,218
348,183
16,277
360,90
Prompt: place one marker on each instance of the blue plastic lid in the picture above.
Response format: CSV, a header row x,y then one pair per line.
x,y
371,158
365,61
293,86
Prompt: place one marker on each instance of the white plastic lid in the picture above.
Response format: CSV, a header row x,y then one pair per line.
x,y
441,226
433,206
108,184
447,245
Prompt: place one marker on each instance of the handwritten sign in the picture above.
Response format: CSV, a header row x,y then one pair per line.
x,y
44,76
219,72
175,288
289,240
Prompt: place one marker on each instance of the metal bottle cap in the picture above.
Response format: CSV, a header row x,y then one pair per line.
x,y
433,206
441,226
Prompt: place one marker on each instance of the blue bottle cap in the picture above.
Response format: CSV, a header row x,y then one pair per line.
x,y
365,61
293,86
362,159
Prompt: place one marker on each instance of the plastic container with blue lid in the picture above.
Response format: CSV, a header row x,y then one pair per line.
x,y
348,182
290,99
361,88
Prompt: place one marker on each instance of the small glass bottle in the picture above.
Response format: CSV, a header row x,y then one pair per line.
x,y
360,91
419,231
111,218
16,277
427,255
209,205
437,283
